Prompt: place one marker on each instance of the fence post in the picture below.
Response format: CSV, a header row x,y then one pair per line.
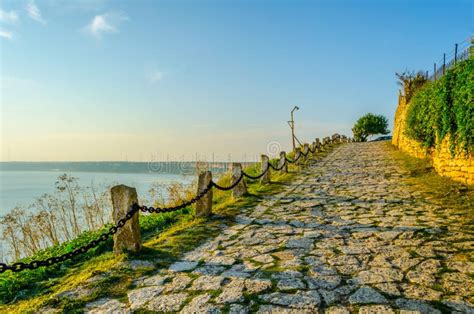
x,y
444,63
240,189
204,204
455,53
283,161
265,165
297,153
128,237
306,149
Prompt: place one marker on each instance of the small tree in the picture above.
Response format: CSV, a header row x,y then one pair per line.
x,y
410,82
369,124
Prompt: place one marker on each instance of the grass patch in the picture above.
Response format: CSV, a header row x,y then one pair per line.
x,y
453,198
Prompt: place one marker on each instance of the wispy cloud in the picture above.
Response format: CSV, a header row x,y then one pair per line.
x,y
105,24
34,12
156,76
9,17
6,34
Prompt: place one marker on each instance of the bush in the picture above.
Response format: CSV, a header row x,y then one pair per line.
x,y
445,107
369,124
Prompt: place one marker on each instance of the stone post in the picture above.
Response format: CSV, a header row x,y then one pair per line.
x,y
204,204
265,165
282,161
297,153
318,144
127,238
240,189
306,149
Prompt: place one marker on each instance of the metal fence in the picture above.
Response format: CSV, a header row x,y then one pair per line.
x,y
462,51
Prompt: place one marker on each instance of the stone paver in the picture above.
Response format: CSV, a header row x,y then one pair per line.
x,y
347,236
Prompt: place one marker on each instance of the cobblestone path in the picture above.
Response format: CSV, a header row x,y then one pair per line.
x,y
346,237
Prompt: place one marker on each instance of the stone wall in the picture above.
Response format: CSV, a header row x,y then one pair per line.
x,y
460,167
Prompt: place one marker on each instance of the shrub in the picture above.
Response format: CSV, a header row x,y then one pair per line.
x,y
411,82
443,107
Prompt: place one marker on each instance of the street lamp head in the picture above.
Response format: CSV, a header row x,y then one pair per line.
x,y
297,108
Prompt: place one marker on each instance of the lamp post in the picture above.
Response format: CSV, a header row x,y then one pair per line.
x,y
291,123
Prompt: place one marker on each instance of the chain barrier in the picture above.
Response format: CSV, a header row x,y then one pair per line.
x,y
230,187
150,209
294,160
20,266
276,168
257,176
17,267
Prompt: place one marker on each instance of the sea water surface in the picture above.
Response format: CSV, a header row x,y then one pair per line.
x,y
22,183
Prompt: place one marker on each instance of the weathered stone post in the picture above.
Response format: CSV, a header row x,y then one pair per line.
x,y
127,238
204,204
265,166
240,189
306,149
318,144
283,162
297,153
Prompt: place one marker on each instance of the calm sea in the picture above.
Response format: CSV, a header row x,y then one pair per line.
x,y
21,183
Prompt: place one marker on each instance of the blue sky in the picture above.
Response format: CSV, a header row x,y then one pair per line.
x,y
116,80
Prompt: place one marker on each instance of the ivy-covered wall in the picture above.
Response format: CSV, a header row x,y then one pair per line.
x,y
438,123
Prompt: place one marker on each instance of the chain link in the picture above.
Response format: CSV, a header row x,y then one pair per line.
x,y
20,266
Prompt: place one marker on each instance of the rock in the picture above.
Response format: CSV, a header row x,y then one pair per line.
x,y
255,286
329,296
106,306
156,280
183,266
200,305
337,310
388,288
168,302
416,305
264,258
366,295
207,283
180,281
232,292
238,309
420,293
209,270
271,309
323,282
379,275
139,297
304,243
290,284
222,260
300,300
376,309
236,271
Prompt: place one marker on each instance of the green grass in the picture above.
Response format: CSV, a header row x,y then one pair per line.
x,y
446,192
